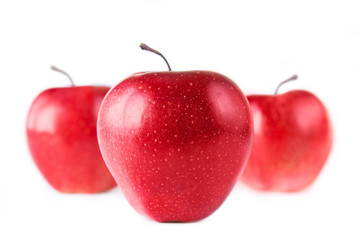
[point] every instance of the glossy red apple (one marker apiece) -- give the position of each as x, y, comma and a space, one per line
62, 138
175, 142
292, 141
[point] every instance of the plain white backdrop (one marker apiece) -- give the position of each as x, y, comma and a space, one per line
256, 43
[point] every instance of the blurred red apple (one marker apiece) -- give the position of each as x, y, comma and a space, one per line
292, 141
175, 142
62, 138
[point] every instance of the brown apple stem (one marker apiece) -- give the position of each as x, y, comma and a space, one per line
285, 81
147, 48
63, 72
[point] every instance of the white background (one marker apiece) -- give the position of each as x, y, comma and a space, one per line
256, 43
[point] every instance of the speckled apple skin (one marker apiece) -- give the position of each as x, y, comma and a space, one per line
292, 141
62, 139
175, 142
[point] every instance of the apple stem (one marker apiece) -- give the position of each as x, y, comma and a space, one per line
63, 72
285, 81
147, 48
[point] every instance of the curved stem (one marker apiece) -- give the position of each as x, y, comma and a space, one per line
63, 72
147, 48
285, 81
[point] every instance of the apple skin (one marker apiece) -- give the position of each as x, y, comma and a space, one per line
175, 142
62, 139
292, 141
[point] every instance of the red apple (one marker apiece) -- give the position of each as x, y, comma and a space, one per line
292, 141
175, 142
62, 138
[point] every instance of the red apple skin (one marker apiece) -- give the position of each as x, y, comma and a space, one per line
292, 141
175, 142
62, 138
